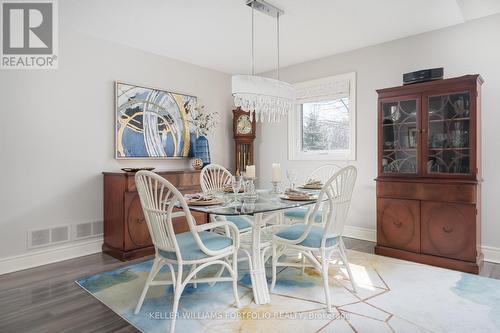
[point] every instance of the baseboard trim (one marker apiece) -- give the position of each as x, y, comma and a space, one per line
491, 254
367, 234
50, 255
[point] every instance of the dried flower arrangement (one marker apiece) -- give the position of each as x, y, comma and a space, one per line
202, 120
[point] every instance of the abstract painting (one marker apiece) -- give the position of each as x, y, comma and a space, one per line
152, 123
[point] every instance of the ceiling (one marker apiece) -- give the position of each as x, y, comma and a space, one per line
216, 34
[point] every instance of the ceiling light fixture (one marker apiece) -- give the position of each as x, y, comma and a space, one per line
266, 99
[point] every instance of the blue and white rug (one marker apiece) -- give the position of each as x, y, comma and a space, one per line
393, 296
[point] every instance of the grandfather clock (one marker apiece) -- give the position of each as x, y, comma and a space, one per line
244, 135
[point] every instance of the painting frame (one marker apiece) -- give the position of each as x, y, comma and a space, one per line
117, 107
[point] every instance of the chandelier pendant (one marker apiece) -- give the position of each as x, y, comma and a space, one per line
266, 99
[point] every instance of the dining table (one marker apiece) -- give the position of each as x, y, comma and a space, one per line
265, 213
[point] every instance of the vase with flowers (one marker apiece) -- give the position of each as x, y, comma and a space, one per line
204, 122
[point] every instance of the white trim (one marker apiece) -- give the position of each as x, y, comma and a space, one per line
367, 234
294, 133
491, 254
50, 255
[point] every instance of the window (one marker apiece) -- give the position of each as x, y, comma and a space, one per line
323, 125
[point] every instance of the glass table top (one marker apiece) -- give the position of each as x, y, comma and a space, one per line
266, 202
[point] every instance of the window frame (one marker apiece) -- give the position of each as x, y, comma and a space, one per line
295, 125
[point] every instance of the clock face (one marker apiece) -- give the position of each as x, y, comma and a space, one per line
243, 125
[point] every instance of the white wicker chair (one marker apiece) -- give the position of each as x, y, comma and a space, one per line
323, 174
318, 243
213, 178
197, 247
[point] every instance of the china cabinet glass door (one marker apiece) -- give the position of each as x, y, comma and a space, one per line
448, 134
400, 136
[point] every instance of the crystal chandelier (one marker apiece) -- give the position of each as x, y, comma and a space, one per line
266, 99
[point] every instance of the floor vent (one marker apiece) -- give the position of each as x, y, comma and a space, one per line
83, 230
97, 228
65, 233
49, 236
37, 238
59, 234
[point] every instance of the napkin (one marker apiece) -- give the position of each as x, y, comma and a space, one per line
228, 188
199, 197
297, 194
311, 181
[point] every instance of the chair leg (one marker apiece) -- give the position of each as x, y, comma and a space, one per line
324, 274
172, 274
151, 276
195, 285
274, 262
235, 279
343, 254
177, 297
218, 275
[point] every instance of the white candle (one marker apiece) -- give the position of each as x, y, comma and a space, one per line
276, 172
250, 171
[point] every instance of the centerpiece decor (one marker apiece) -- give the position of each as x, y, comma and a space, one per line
204, 122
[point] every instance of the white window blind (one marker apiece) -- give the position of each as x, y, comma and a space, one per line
322, 90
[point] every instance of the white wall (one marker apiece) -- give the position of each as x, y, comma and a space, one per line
469, 48
57, 131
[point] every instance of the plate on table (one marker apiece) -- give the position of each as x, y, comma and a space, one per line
312, 186
210, 202
137, 169
301, 198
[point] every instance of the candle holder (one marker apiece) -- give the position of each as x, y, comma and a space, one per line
276, 187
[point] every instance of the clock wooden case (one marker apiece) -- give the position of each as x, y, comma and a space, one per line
244, 136
429, 173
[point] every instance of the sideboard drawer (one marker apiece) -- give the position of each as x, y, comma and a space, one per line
398, 224
181, 180
448, 230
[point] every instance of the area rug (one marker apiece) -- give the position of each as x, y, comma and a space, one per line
393, 296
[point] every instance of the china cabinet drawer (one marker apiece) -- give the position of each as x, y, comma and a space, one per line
449, 230
437, 191
398, 224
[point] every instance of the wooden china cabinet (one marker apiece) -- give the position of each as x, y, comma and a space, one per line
429, 173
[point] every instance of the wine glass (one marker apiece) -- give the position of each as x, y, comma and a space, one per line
292, 176
236, 186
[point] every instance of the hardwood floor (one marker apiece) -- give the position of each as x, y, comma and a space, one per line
46, 298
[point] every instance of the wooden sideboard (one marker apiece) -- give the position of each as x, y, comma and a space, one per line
126, 234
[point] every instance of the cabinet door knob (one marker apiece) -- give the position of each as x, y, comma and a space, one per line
140, 220
397, 224
447, 229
